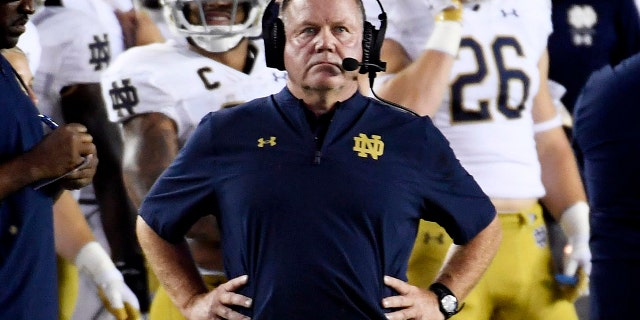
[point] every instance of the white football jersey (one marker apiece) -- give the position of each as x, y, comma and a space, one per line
104, 13
487, 115
184, 85
76, 50
29, 43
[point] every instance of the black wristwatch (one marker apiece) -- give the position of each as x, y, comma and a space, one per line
446, 299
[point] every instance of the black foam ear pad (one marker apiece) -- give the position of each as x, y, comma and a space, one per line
368, 42
273, 36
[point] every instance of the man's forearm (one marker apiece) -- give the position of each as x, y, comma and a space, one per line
71, 230
172, 264
560, 174
13, 176
466, 264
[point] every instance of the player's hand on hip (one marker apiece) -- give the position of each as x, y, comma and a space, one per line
412, 303
217, 303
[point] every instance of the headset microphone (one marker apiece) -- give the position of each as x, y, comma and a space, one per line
351, 64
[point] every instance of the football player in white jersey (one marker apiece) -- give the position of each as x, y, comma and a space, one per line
502, 125
159, 93
76, 50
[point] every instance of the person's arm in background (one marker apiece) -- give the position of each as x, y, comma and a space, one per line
127, 17
83, 103
75, 242
565, 196
420, 84
151, 144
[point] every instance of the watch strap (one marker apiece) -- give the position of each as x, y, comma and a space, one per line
441, 291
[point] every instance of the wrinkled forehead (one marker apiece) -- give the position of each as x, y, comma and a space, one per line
334, 9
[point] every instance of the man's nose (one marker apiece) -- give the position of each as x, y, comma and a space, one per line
28, 6
326, 40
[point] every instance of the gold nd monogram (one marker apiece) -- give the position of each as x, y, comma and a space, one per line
271, 142
365, 146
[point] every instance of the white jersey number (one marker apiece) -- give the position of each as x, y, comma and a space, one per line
505, 74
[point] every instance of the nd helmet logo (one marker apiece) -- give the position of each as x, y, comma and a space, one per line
365, 146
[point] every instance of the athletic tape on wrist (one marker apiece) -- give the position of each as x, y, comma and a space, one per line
548, 125
445, 37
575, 220
93, 260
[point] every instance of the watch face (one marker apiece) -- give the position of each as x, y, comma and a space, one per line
449, 303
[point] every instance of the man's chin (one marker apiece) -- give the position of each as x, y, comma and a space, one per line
9, 43
326, 83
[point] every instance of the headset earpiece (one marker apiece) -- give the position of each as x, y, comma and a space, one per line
274, 40
368, 40
273, 36
275, 54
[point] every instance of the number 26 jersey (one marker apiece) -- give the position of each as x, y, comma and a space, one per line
487, 113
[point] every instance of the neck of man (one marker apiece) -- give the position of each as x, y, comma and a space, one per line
323, 100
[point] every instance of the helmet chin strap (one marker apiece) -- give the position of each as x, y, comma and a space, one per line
215, 45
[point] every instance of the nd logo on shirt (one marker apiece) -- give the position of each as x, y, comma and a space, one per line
365, 146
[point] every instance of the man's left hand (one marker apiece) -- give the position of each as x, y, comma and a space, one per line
412, 303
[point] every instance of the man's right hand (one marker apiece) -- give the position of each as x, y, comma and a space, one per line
62, 151
216, 304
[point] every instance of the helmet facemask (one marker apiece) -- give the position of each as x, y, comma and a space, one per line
214, 25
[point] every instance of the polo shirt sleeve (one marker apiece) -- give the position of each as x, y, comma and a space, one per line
454, 200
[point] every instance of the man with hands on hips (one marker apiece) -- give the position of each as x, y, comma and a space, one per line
318, 191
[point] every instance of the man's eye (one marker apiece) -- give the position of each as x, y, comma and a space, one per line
309, 31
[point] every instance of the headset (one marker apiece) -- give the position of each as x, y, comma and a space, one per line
274, 40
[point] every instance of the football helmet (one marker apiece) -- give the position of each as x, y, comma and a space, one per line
211, 24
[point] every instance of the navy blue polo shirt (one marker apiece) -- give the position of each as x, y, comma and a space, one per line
28, 277
316, 227
607, 144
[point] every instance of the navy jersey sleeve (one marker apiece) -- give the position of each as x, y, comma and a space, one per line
455, 201
184, 193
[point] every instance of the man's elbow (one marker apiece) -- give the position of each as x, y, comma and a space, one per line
146, 235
